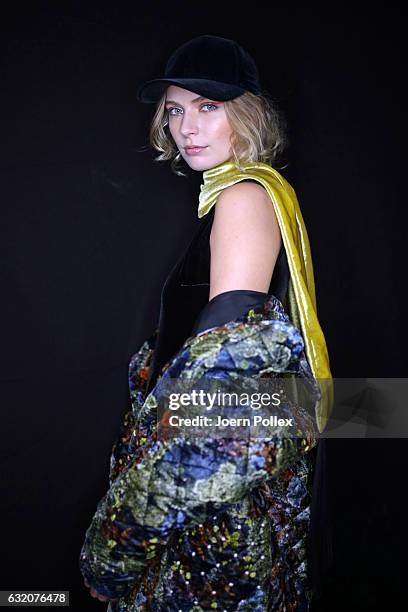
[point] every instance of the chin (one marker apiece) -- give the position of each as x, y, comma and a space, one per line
202, 164
197, 164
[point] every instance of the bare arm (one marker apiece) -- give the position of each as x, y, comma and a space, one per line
245, 240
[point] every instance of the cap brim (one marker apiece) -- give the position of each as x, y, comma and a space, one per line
151, 91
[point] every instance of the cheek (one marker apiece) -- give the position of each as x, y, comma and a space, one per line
223, 136
171, 129
222, 128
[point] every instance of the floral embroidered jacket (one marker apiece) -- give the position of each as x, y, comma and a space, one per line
214, 523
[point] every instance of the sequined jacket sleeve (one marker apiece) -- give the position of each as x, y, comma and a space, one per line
131, 433
163, 485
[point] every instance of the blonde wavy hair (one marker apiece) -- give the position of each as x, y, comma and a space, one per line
258, 131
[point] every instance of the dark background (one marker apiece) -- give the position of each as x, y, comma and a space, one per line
91, 226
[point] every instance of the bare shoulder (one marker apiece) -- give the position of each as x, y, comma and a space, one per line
244, 208
241, 196
245, 239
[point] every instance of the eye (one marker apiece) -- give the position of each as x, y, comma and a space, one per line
173, 108
214, 106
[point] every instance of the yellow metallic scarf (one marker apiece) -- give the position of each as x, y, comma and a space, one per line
301, 289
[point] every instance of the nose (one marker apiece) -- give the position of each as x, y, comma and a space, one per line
189, 124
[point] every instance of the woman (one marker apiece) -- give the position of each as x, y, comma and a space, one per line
217, 523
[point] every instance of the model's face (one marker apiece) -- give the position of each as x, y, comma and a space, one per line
201, 122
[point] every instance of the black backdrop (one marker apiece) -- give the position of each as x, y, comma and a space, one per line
91, 225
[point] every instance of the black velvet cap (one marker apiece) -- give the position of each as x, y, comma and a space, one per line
214, 67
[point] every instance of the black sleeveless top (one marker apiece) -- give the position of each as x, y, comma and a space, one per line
186, 291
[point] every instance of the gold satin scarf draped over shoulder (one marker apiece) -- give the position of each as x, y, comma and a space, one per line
301, 289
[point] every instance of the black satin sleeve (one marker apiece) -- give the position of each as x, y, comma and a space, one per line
227, 306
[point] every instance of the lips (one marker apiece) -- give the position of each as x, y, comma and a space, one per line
193, 150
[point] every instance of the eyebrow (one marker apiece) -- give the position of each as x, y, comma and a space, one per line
195, 100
